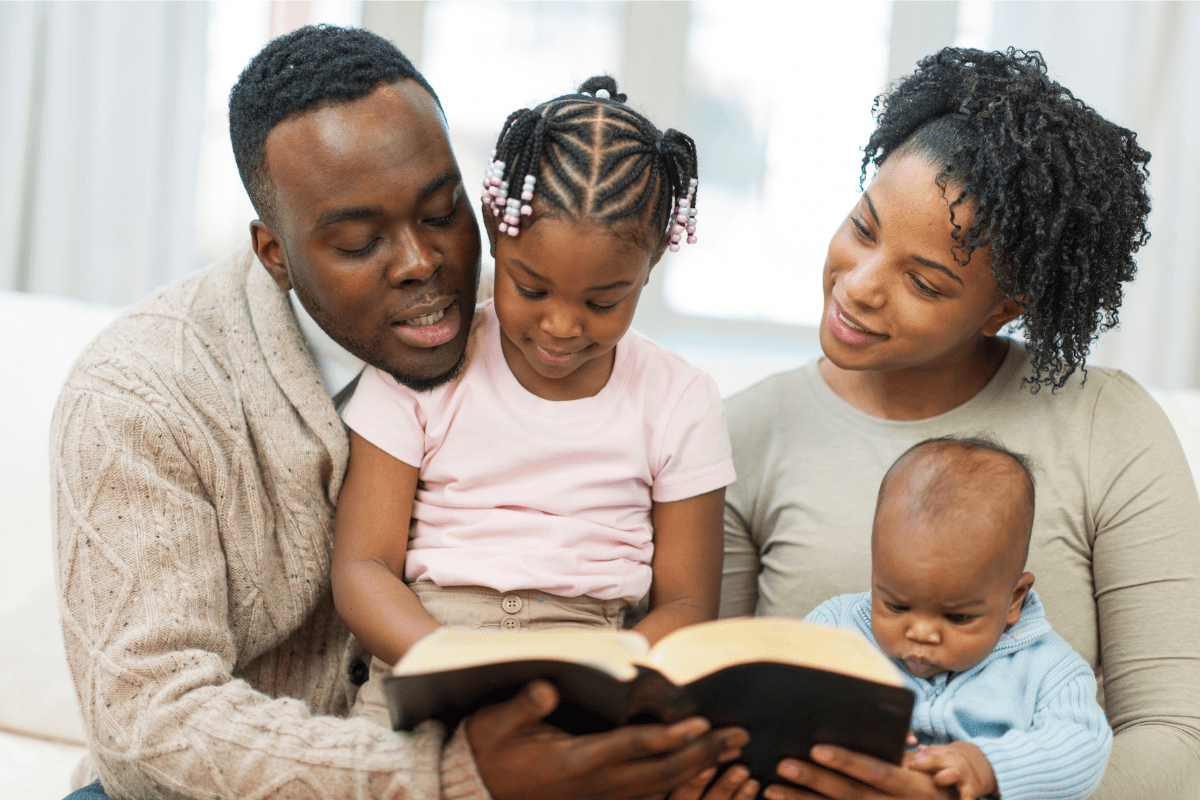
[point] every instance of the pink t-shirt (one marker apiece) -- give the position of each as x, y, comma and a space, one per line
518, 492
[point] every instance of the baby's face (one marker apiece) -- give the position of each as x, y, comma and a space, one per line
938, 602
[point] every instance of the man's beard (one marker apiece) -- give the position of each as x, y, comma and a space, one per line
370, 353
425, 384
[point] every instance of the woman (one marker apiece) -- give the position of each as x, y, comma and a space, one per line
998, 198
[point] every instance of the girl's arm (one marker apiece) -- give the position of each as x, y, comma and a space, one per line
686, 586
370, 542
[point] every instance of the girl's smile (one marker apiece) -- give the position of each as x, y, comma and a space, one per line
566, 292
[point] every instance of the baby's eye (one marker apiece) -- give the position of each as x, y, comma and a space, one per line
895, 608
959, 619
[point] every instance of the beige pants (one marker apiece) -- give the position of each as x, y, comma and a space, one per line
470, 607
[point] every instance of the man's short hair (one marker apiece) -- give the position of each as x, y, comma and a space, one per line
314, 66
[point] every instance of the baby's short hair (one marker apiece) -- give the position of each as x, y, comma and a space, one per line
969, 463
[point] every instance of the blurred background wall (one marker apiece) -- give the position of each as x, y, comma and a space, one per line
116, 174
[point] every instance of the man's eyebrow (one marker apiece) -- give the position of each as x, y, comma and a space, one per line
439, 182
337, 215
526, 268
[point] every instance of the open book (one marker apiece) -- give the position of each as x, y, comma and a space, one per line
791, 684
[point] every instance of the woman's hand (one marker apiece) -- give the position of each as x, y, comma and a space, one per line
842, 774
734, 784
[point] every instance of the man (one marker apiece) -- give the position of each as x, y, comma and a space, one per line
199, 457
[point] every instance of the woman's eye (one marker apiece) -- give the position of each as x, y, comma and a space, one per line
924, 288
860, 228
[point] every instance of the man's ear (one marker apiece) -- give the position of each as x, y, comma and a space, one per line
1024, 584
269, 249
1004, 312
489, 224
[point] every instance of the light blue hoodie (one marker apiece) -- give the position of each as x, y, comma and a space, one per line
1030, 706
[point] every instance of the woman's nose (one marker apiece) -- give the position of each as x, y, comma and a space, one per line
864, 283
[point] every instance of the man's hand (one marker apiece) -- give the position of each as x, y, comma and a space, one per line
521, 758
959, 764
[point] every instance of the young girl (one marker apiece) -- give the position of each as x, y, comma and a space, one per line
570, 454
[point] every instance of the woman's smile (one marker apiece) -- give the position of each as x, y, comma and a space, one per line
848, 329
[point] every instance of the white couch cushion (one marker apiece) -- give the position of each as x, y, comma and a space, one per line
40, 338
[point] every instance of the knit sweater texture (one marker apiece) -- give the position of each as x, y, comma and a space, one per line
196, 460
1030, 706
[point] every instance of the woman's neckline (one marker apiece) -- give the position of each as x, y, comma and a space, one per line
859, 391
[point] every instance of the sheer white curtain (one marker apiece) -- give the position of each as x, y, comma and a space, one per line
99, 142
1137, 64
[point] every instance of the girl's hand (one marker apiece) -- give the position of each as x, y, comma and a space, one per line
842, 774
958, 764
735, 784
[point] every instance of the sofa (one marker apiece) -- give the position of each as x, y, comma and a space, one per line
41, 737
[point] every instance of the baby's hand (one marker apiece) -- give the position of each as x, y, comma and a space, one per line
958, 764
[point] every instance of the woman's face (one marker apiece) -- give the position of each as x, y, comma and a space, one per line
895, 297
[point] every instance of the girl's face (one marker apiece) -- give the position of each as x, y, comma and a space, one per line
895, 297
565, 295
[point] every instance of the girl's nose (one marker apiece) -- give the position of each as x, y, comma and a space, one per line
561, 322
864, 283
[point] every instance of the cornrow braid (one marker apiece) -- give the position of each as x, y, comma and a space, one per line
1059, 192
589, 156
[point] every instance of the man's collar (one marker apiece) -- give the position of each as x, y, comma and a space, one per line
335, 364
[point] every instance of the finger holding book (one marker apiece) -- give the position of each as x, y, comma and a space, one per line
519, 756
841, 774
735, 783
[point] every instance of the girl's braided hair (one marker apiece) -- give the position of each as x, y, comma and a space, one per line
1059, 192
597, 159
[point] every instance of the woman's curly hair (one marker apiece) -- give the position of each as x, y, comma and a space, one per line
1059, 192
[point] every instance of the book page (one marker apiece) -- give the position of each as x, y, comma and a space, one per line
696, 651
609, 651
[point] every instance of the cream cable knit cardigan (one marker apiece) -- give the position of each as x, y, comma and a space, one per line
196, 461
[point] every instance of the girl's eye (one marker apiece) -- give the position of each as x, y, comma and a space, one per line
527, 292
602, 309
360, 252
959, 619
924, 288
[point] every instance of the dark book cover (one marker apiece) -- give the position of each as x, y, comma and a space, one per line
787, 708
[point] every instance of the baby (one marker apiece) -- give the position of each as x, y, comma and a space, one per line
1004, 705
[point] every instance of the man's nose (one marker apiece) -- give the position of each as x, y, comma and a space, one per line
416, 260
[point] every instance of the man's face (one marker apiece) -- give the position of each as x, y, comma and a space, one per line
374, 230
